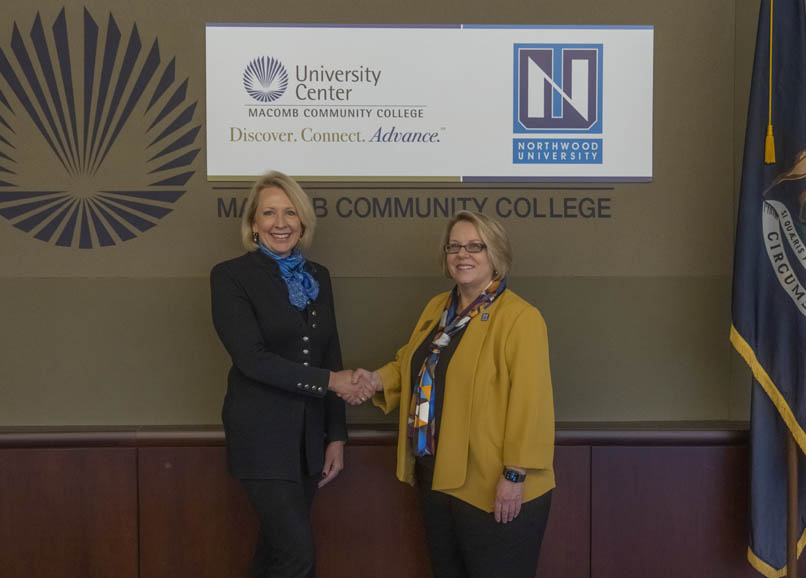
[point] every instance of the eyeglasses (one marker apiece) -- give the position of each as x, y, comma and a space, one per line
474, 247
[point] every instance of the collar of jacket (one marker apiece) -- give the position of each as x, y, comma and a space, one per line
263, 260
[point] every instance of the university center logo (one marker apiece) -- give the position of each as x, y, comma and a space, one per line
784, 224
265, 79
558, 88
97, 134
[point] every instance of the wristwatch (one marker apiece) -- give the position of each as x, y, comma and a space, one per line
514, 476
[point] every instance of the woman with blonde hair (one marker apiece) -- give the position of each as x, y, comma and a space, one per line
476, 429
283, 416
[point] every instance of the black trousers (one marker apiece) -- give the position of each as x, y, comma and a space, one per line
285, 544
466, 542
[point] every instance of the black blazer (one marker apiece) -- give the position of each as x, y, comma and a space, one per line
278, 413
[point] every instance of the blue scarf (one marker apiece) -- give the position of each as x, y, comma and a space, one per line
302, 287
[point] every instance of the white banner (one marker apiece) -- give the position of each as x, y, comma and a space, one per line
457, 103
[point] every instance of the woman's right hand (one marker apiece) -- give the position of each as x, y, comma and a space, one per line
354, 387
371, 378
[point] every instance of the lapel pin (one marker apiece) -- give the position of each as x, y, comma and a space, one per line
485, 316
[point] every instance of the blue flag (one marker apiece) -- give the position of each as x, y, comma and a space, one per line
769, 277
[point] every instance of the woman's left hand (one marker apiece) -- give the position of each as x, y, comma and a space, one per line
334, 462
508, 500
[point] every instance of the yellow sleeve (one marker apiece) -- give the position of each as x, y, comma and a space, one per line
529, 433
389, 398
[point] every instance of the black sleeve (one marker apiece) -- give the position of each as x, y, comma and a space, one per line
335, 413
236, 325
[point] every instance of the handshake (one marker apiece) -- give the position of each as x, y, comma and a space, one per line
355, 386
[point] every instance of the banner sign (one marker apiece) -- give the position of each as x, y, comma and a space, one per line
453, 103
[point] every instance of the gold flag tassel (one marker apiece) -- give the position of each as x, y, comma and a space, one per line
769, 143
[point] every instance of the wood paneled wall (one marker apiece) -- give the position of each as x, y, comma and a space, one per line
160, 503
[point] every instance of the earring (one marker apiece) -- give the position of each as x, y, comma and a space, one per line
255, 238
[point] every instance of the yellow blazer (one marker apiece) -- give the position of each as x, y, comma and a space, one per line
498, 406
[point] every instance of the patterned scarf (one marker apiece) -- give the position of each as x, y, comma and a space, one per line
302, 287
421, 424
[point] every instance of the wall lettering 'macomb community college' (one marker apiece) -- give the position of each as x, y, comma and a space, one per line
548, 206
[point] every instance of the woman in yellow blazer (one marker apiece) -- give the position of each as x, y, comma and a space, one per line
476, 432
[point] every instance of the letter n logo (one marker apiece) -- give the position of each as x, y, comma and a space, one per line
558, 88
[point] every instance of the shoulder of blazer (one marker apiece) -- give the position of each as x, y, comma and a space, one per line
430, 313
321, 274
231, 266
509, 304
244, 266
434, 307
512, 307
437, 302
512, 301
248, 270
317, 270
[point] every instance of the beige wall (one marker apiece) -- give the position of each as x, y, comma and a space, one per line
638, 305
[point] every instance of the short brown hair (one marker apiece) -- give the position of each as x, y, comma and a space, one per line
298, 197
492, 234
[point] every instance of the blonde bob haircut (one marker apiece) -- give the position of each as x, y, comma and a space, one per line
296, 195
492, 234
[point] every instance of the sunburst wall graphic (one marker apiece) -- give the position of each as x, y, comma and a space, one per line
96, 133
